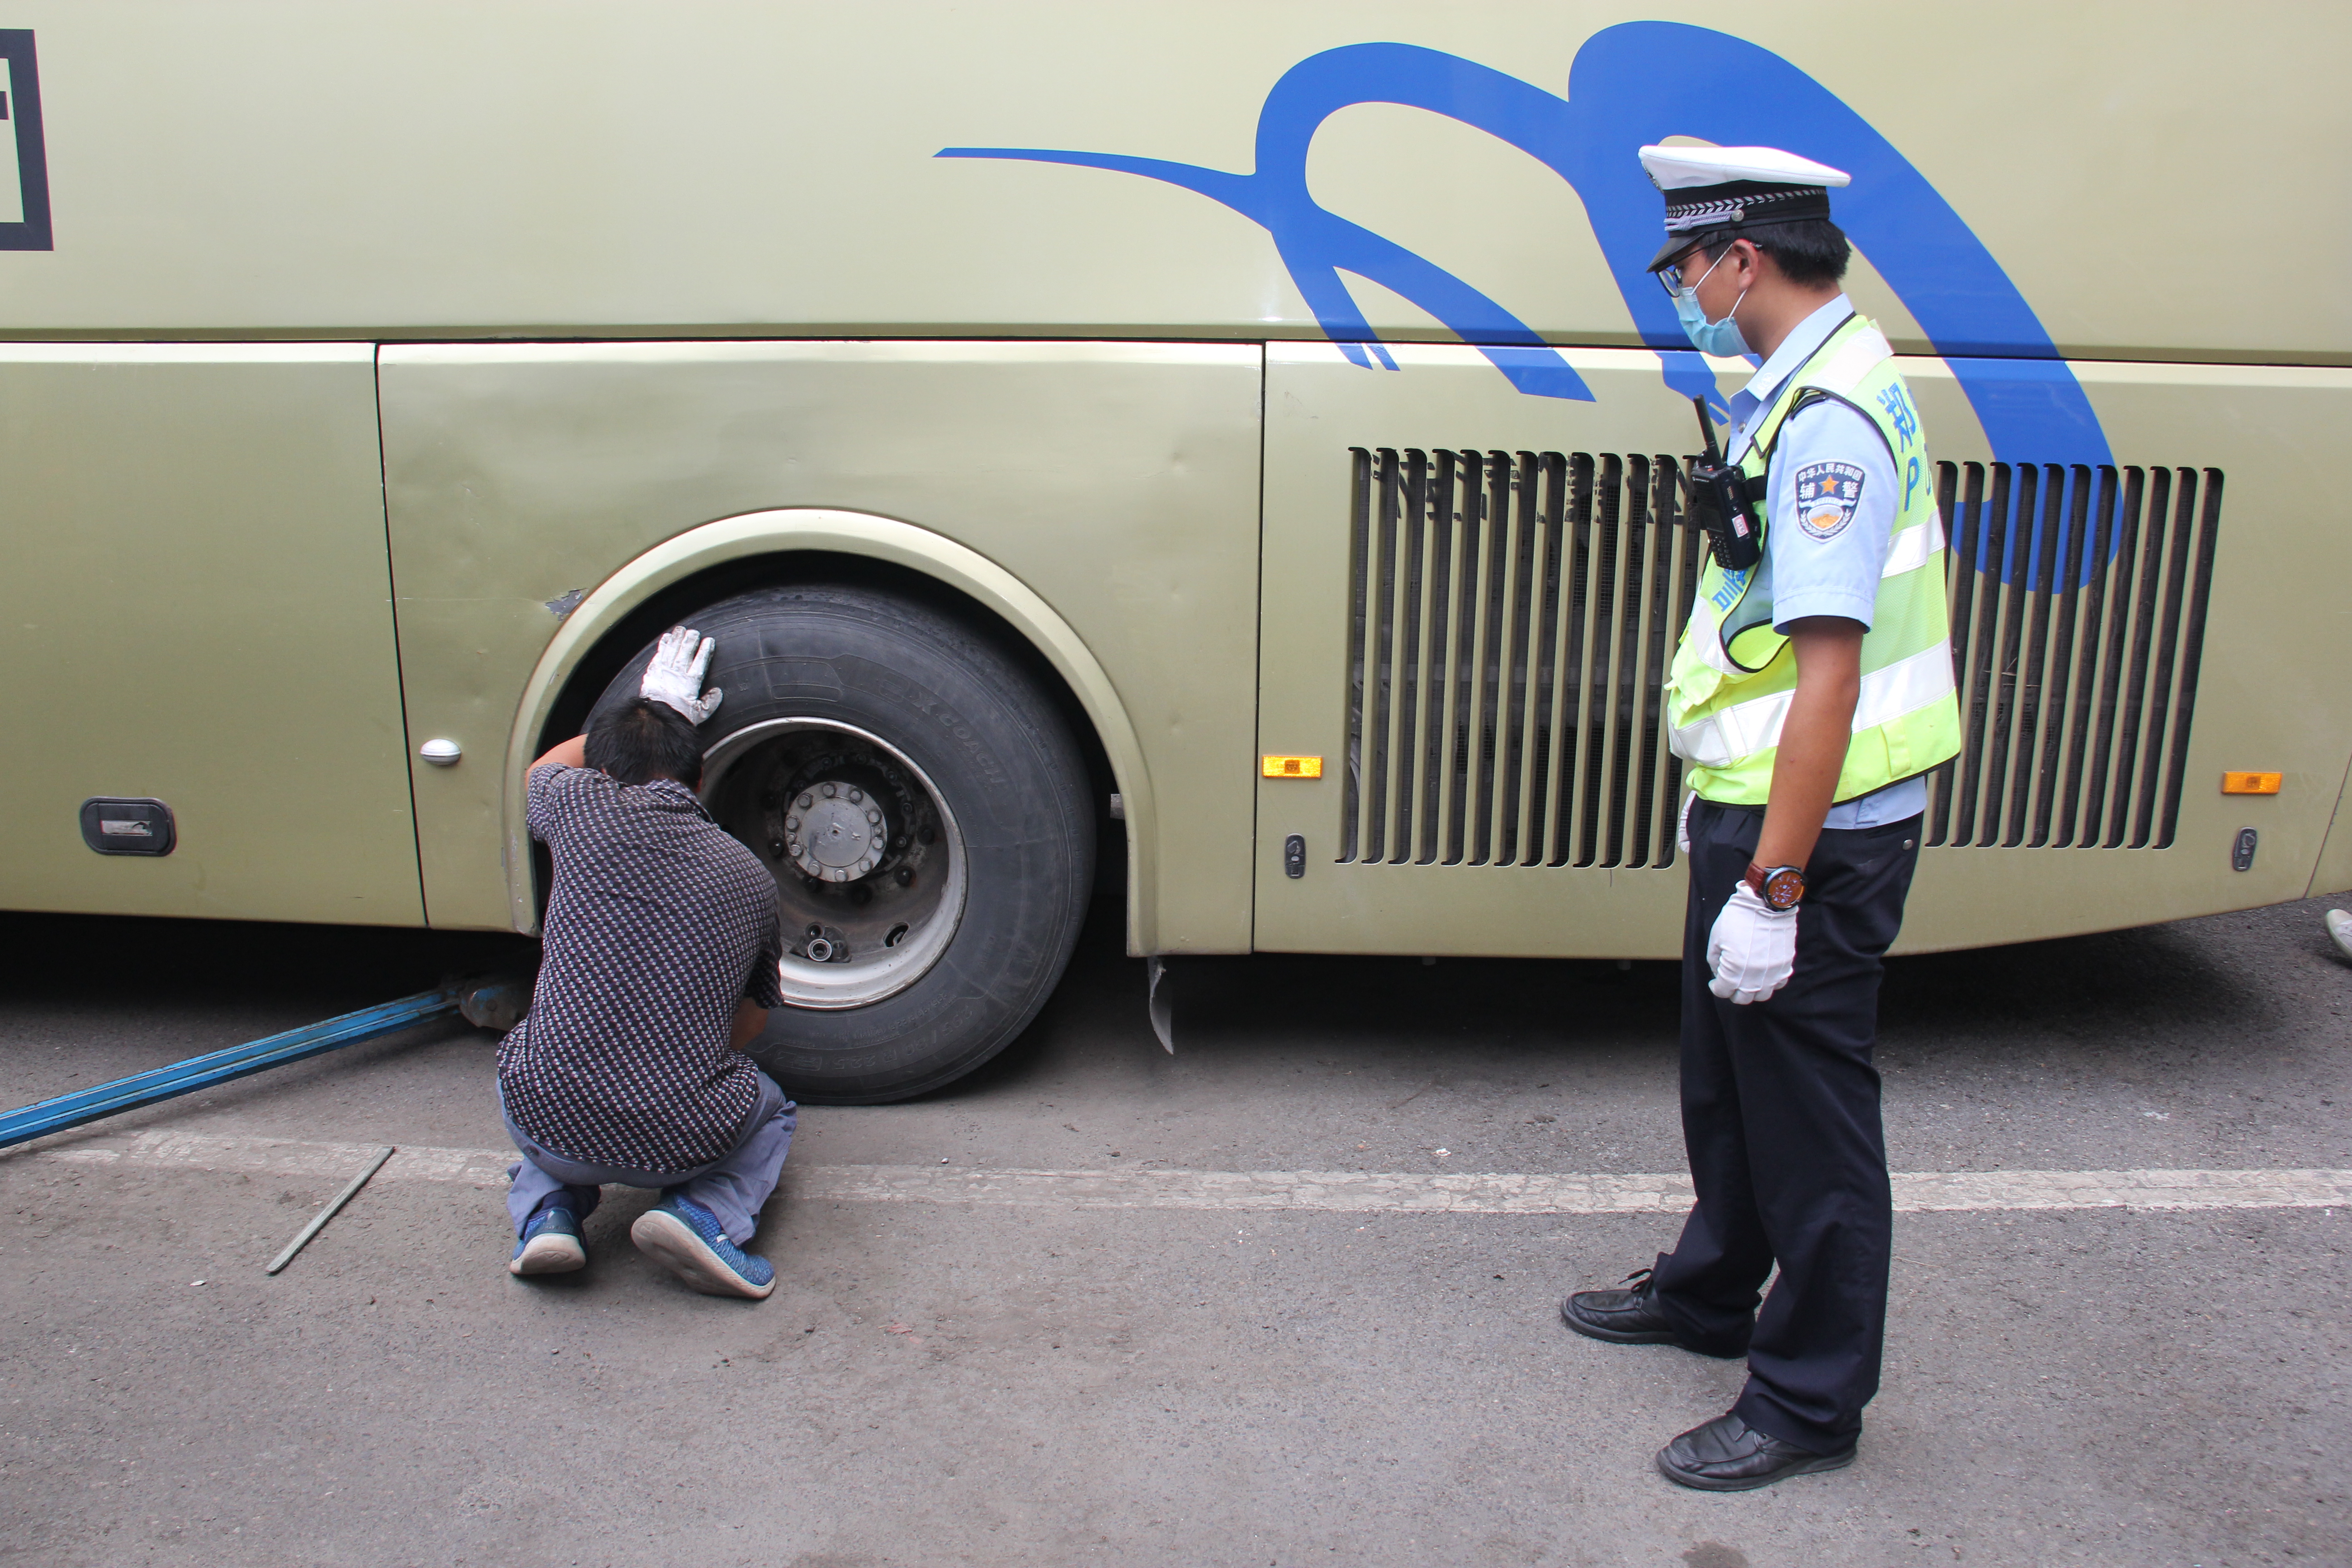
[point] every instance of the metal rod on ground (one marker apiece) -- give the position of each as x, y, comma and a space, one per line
54, 1115
319, 1224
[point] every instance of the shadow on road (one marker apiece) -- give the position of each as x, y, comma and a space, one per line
110, 962
2092, 995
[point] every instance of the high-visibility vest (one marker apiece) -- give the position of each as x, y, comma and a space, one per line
1734, 676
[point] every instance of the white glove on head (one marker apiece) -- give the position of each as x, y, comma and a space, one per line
676, 674
1752, 949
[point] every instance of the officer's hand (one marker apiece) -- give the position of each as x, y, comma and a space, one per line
1752, 948
1682, 824
676, 674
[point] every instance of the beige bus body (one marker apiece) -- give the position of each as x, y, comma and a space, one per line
387, 360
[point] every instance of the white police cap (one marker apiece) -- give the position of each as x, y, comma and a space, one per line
1713, 192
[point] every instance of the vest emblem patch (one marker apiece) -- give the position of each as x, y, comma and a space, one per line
1827, 494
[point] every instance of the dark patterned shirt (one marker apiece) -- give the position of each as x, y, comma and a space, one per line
658, 924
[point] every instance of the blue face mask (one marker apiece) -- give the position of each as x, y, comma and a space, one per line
1721, 338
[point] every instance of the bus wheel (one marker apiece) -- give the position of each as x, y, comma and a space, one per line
926, 816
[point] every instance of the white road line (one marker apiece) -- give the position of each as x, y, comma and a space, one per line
1347, 1191
1352, 1192
279, 1157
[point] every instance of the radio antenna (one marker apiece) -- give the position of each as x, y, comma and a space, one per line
1707, 431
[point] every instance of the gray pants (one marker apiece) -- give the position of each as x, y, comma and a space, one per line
732, 1187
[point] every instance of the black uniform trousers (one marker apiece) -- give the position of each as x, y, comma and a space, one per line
1780, 1118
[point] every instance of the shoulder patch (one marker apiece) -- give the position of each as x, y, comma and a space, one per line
1827, 494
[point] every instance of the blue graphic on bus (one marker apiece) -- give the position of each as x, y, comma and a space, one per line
1631, 84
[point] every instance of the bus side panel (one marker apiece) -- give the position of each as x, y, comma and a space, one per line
1118, 481
197, 606
1472, 634
626, 170
1437, 705
2246, 450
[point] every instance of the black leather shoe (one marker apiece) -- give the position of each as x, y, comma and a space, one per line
1728, 1454
1623, 1316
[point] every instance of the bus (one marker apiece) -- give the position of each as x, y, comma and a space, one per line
1237, 440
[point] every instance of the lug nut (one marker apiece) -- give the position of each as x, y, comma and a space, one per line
807, 801
856, 795
829, 791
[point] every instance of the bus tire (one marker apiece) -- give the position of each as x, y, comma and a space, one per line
919, 950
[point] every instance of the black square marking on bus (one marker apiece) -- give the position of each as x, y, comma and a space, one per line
23, 116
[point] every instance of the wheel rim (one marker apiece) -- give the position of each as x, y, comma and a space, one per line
869, 864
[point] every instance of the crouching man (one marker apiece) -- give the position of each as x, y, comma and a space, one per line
658, 965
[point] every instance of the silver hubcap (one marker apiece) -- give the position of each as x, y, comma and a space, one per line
833, 833
868, 862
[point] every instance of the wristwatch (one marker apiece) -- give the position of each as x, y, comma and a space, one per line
1780, 887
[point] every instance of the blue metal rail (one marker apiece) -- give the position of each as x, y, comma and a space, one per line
203, 1072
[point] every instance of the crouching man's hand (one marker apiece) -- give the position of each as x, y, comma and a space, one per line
676, 674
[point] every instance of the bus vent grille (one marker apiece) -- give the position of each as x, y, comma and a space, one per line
2076, 640
1513, 617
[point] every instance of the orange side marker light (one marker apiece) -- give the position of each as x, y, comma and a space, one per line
1293, 767
2252, 784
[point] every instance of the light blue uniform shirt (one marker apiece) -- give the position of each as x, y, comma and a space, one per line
1832, 571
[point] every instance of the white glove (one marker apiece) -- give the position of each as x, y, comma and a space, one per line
676, 674
1681, 825
1752, 948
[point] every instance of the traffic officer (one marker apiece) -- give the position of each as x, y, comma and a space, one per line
1810, 695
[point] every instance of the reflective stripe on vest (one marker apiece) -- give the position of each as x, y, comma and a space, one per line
1725, 735
1907, 552
1915, 547
1724, 716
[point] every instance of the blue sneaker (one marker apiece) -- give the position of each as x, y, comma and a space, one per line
685, 1238
550, 1245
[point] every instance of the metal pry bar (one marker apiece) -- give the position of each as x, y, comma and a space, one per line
66, 1111
319, 1224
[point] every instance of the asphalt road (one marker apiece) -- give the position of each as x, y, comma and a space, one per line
948, 1382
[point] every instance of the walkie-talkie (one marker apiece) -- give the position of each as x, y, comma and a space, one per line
1719, 497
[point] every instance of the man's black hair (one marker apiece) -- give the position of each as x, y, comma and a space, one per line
1810, 250
642, 740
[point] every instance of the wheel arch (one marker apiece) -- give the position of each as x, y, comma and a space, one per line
763, 547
